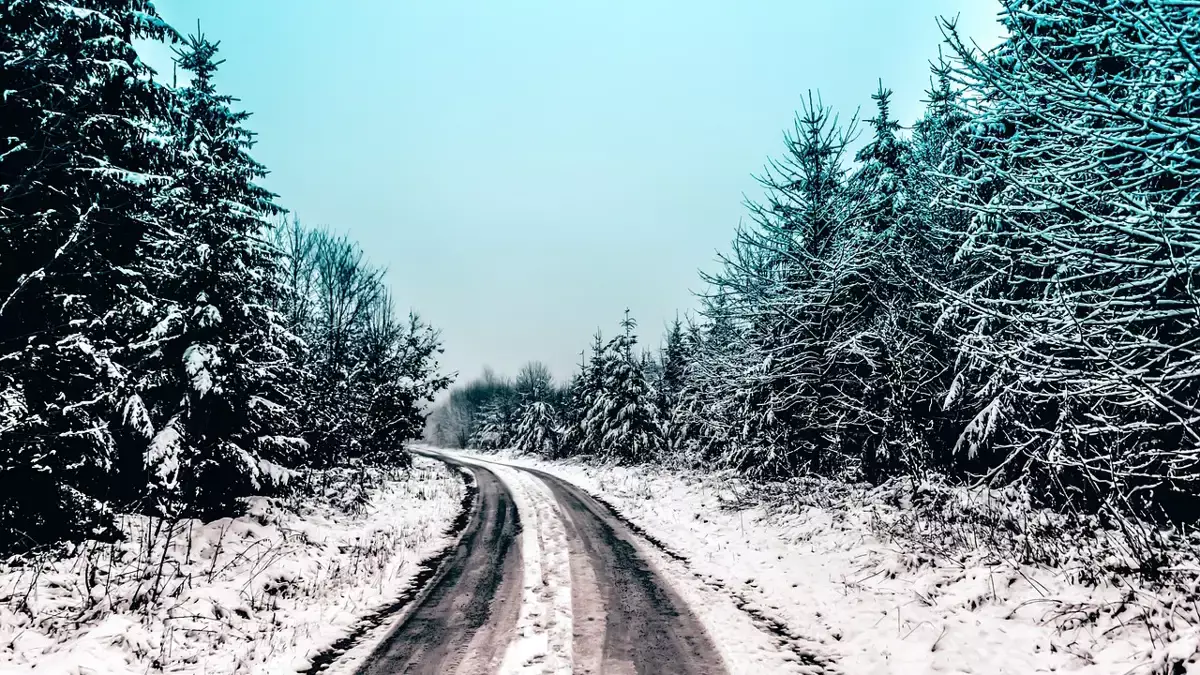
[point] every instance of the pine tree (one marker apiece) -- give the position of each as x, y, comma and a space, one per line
537, 432
882, 179
1078, 301
625, 412
537, 429
938, 393
708, 422
498, 420
576, 403
784, 289
880, 359
594, 388
936, 145
84, 156
217, 368
674, 360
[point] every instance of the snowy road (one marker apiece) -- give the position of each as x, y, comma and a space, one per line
462, 620
545, 580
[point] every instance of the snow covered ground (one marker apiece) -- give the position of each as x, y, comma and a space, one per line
262, 593
845, 600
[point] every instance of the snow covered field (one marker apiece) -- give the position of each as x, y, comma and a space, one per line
263, 593
829, 587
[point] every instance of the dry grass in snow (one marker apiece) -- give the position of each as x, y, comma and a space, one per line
261, 593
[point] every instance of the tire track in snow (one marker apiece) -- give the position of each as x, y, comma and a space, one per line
541, 643
763, 644
616, 614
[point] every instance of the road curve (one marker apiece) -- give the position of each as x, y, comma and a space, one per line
626, 620
463, 621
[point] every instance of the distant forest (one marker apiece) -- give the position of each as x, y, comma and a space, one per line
1004, 293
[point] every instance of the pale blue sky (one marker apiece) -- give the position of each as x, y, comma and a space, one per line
527, 169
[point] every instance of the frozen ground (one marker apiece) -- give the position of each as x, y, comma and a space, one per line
844, 600
262, 593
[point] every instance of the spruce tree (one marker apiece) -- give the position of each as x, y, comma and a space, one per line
498, 420
1078, 298
216, 368
537, 430
625, 413
595, 387
879, 346
938, 390
708, 424
85, 154
576, 404
674, 360
784, 289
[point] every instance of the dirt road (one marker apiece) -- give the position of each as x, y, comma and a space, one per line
588, 603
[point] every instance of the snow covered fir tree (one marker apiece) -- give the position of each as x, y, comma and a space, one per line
623, 418
161, 349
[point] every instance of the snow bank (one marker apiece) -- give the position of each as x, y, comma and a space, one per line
849, 601
262, 593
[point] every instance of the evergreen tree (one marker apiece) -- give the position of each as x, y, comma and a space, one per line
706, 424
146, 341
577, 402
672, 378
881, 359
594, 388
625, 412
498, 424
785, 289
940, 400
83, 161
882, 178
537, 430
216, 369
1077, 302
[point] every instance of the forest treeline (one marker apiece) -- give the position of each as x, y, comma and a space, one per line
1003, 292
169, 342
